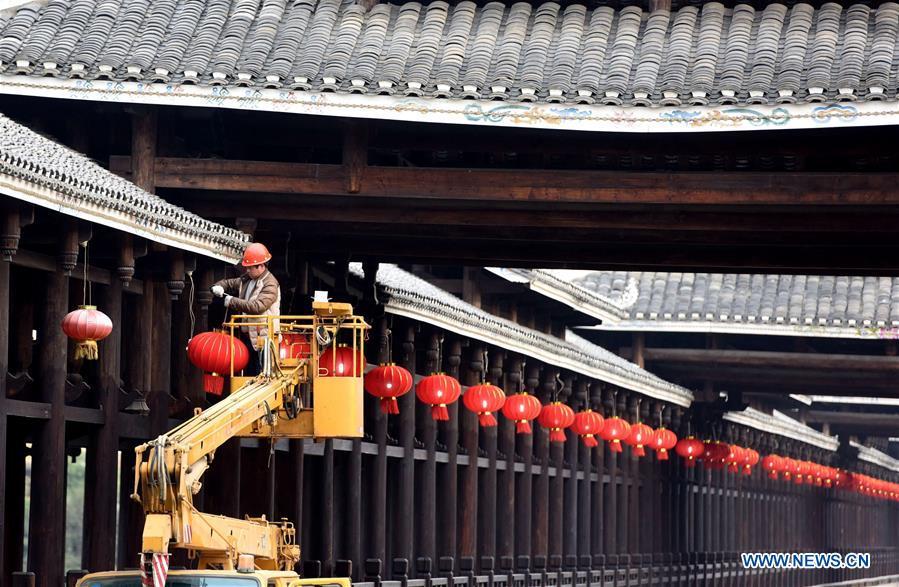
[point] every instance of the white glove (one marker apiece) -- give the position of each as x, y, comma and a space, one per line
218, 290
228, 301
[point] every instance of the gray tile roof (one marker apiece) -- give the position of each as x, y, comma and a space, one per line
412, 296
850, 302
43, 172
693, 55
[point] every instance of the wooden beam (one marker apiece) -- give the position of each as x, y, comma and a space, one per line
766, 359
861, 420
512, 185
42, 262
786, 381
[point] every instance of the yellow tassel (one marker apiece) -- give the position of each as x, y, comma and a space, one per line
86, 349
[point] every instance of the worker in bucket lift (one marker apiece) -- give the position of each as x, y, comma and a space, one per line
256, 292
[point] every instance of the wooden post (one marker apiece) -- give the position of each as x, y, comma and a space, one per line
48, 472
14, 508
541, 499
487, 514
610, 539
624, 488
355, 153
403, 522
101, 475
377, 536
426, 506
506, 530
4, 368
448, 476
468, 422
328, 519
143, 148
568, 513
524, 544
597, 488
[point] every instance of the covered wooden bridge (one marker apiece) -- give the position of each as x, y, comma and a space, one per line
437, 164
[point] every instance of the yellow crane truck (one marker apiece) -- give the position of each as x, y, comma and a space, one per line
296, 395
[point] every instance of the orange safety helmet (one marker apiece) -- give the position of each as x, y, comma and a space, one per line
256, 254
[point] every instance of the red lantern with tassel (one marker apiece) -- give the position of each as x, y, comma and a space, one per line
716, 453
338, 362
790, 468
388, 382
587, 425
640, 435
212, 352
690, 449
614, 430
438, 391
735, 458
484, 400
521, 408
86, 326
773, 464
557, 417
663, 440
750, 459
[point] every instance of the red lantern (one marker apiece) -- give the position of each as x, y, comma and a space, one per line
614, 431
639, 436
773, 464
803, 468
663, 440
716, 454
735, 458
212, 352
438, 391
294, 346
557, 417
690, 448
750, 459
338, 362
521, 408
484, 400
790, 468
587, 425
388, 382
86, 326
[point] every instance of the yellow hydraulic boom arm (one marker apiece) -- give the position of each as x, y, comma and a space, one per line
168, 469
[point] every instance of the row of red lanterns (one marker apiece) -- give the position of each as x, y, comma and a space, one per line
717, 455
812, 473
389, 382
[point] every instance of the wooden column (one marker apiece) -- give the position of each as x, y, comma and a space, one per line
487, 512
101, 474
624, 488
577, 529
597, 488
143, 148
448, 476
524, 487
4, 368
468, 481
328, 511
610, 499
426, 507
541, 494
48, 472
569, 510
377, 526
506, 530
14, 508
403, 522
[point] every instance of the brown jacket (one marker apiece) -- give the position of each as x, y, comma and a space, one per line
265, 299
